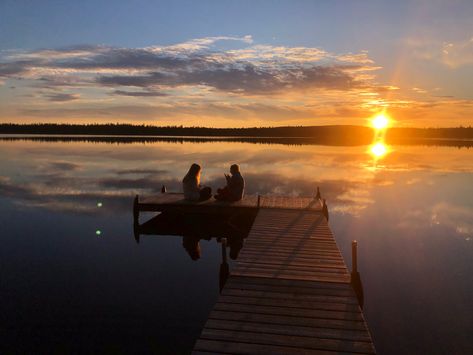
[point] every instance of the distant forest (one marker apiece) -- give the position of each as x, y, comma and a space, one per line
342, 134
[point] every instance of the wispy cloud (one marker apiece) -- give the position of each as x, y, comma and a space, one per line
61, 97
453, 54
138, 93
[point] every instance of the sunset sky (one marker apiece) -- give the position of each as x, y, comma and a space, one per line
237, 63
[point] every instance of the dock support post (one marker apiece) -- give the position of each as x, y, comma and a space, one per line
317, 196
355, 279
325, 209
136, 210
354, 256
163, 189
136, 219
224, 271
224, 250
259, 200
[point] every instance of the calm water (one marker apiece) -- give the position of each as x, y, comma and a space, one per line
72, 278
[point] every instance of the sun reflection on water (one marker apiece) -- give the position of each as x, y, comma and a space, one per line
378, 150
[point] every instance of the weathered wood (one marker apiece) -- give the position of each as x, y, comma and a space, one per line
241, 292
271, 328
289, 341
290, 321
290, 303
288, 311
176, 201
229, 347
326, 291
289, 291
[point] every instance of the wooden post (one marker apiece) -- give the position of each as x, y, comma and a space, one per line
136, 232
224, 250
259, 200
224, 271
325, 209
136, 218
136, 210
354, 256
355, 279
317, 196
163, 189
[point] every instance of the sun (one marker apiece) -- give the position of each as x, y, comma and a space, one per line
381, 121
378, 150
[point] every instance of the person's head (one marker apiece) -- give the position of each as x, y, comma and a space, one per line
234, 169
194, 172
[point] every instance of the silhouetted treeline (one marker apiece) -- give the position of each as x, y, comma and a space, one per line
292, 141
397, 134
342, 134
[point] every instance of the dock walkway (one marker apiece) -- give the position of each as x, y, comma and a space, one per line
289, 292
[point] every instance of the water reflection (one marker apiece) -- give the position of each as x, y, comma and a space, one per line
228, 230
411, 215
378, 150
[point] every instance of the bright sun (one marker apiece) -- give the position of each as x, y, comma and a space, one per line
380, 121
378, 150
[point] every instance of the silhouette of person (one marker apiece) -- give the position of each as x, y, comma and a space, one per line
235, 187
193, 191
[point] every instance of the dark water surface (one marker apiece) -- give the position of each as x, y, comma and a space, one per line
73, 279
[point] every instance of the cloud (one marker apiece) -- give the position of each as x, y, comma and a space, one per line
63, 166
138, 93
278, 112
220, 77
256, 69
453, 54
61, 97
141, 172
458, 54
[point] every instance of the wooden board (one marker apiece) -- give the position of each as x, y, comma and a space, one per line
176, 201
288, 293
289, 251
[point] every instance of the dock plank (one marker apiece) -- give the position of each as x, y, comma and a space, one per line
171, 201
304, 342
289, 291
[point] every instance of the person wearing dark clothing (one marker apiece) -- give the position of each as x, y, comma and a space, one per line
235, 187
193, 191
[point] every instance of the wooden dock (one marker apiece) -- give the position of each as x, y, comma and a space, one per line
289, 292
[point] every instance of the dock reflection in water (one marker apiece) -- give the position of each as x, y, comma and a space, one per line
228, 230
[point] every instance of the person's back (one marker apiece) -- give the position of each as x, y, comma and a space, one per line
190, 183
191, 189
236, 186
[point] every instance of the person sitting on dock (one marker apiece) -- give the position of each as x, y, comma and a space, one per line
193, 191
233, 191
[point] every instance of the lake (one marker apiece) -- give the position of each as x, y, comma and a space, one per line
73, 279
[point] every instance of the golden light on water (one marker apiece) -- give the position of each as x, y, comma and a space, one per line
378, 150
381, 121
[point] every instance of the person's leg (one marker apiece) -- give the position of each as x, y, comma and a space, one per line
221, 194
225, 195
205, 193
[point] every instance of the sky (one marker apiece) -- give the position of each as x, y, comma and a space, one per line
237, 63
